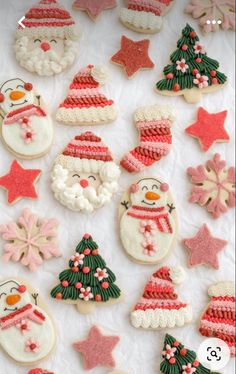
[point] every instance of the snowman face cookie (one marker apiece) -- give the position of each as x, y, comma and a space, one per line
26, 128
26, 331
148, 221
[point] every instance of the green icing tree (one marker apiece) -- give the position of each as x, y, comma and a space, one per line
191, 69
87, 282
180, 360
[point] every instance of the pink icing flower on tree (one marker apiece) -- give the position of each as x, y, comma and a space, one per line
32, 346
101, 274
149, 247
169, 352
86, 294
23, 326
201, 80
198, 48
181, 65
188, 369
78, 259
147, 228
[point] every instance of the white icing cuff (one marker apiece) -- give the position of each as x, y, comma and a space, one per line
141, 20
161, 318
86, 115
69, 32
154, 113
222, 289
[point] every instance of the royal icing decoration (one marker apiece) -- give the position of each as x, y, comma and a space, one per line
97, 349
39, 371
191, 72
213, 186
177, 359
204, 248
159, 306
26, 128
213, 15
94, 7
20, 183
27, 325
85, 104
218, 320
133, 56
30, 240
145, 16
45, 39
148, 221
209, 128
85, 176
87, 282
155, 139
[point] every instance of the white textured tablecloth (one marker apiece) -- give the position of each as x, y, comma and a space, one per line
138, 351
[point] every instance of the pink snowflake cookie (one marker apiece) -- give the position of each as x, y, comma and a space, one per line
213, 186
30, 240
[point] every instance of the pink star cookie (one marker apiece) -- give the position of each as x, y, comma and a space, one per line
204, 248
97, 349
94, 7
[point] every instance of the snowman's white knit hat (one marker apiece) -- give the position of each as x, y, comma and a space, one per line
49, 19
160, 307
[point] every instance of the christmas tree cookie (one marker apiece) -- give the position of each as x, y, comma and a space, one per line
180, 360
88, 282
191, 72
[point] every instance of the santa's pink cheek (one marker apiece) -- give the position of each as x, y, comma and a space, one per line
84, 183
45, 46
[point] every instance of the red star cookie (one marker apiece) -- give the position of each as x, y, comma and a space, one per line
209, 128
204, 248
133, 56
94, 7
97, 349
20, 183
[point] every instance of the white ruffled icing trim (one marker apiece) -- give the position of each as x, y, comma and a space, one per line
154, 112
99, 74
70, 32
177, 274
86, 115
159, 318
222, 289
141, 20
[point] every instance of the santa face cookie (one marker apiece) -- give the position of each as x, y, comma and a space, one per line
148, 221
84, 176
45, 45
26, 128
26, 331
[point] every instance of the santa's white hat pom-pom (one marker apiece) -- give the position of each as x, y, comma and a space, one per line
177, 274
99, 74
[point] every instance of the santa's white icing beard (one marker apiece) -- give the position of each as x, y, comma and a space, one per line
46, 57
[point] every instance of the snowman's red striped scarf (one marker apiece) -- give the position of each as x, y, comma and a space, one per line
24, 112
158, 215
24, 313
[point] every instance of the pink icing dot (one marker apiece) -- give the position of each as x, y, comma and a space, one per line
78, 285
134, 188
164, 187
86, 251
86, 236
65, 283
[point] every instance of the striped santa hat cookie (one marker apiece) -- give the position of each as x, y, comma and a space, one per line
160, 306
85, 104
145, 16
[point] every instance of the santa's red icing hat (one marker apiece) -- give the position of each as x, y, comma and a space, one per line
160, 306
48, 19
87, 153
85, 104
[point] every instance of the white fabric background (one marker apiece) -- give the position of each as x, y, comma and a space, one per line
138, 351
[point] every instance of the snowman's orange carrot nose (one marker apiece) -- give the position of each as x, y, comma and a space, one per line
152, 196
16, 95
13, 299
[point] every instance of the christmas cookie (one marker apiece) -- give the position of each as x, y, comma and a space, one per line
218, 320
155, 139
84, 176
85, 104
145, 16
160, 306
213, 14
179, 359
204, 248
39, 371
30, 240
97, 349
27, 332
26, 128
87, 282
133, 56
148, 221
209, 128
94, 7
213, 186
45, 44
20, 183
191, 72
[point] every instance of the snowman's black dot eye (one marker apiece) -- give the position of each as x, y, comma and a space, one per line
144, 188
2, 294
92, 177
76, 175
155, 187
37, 40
